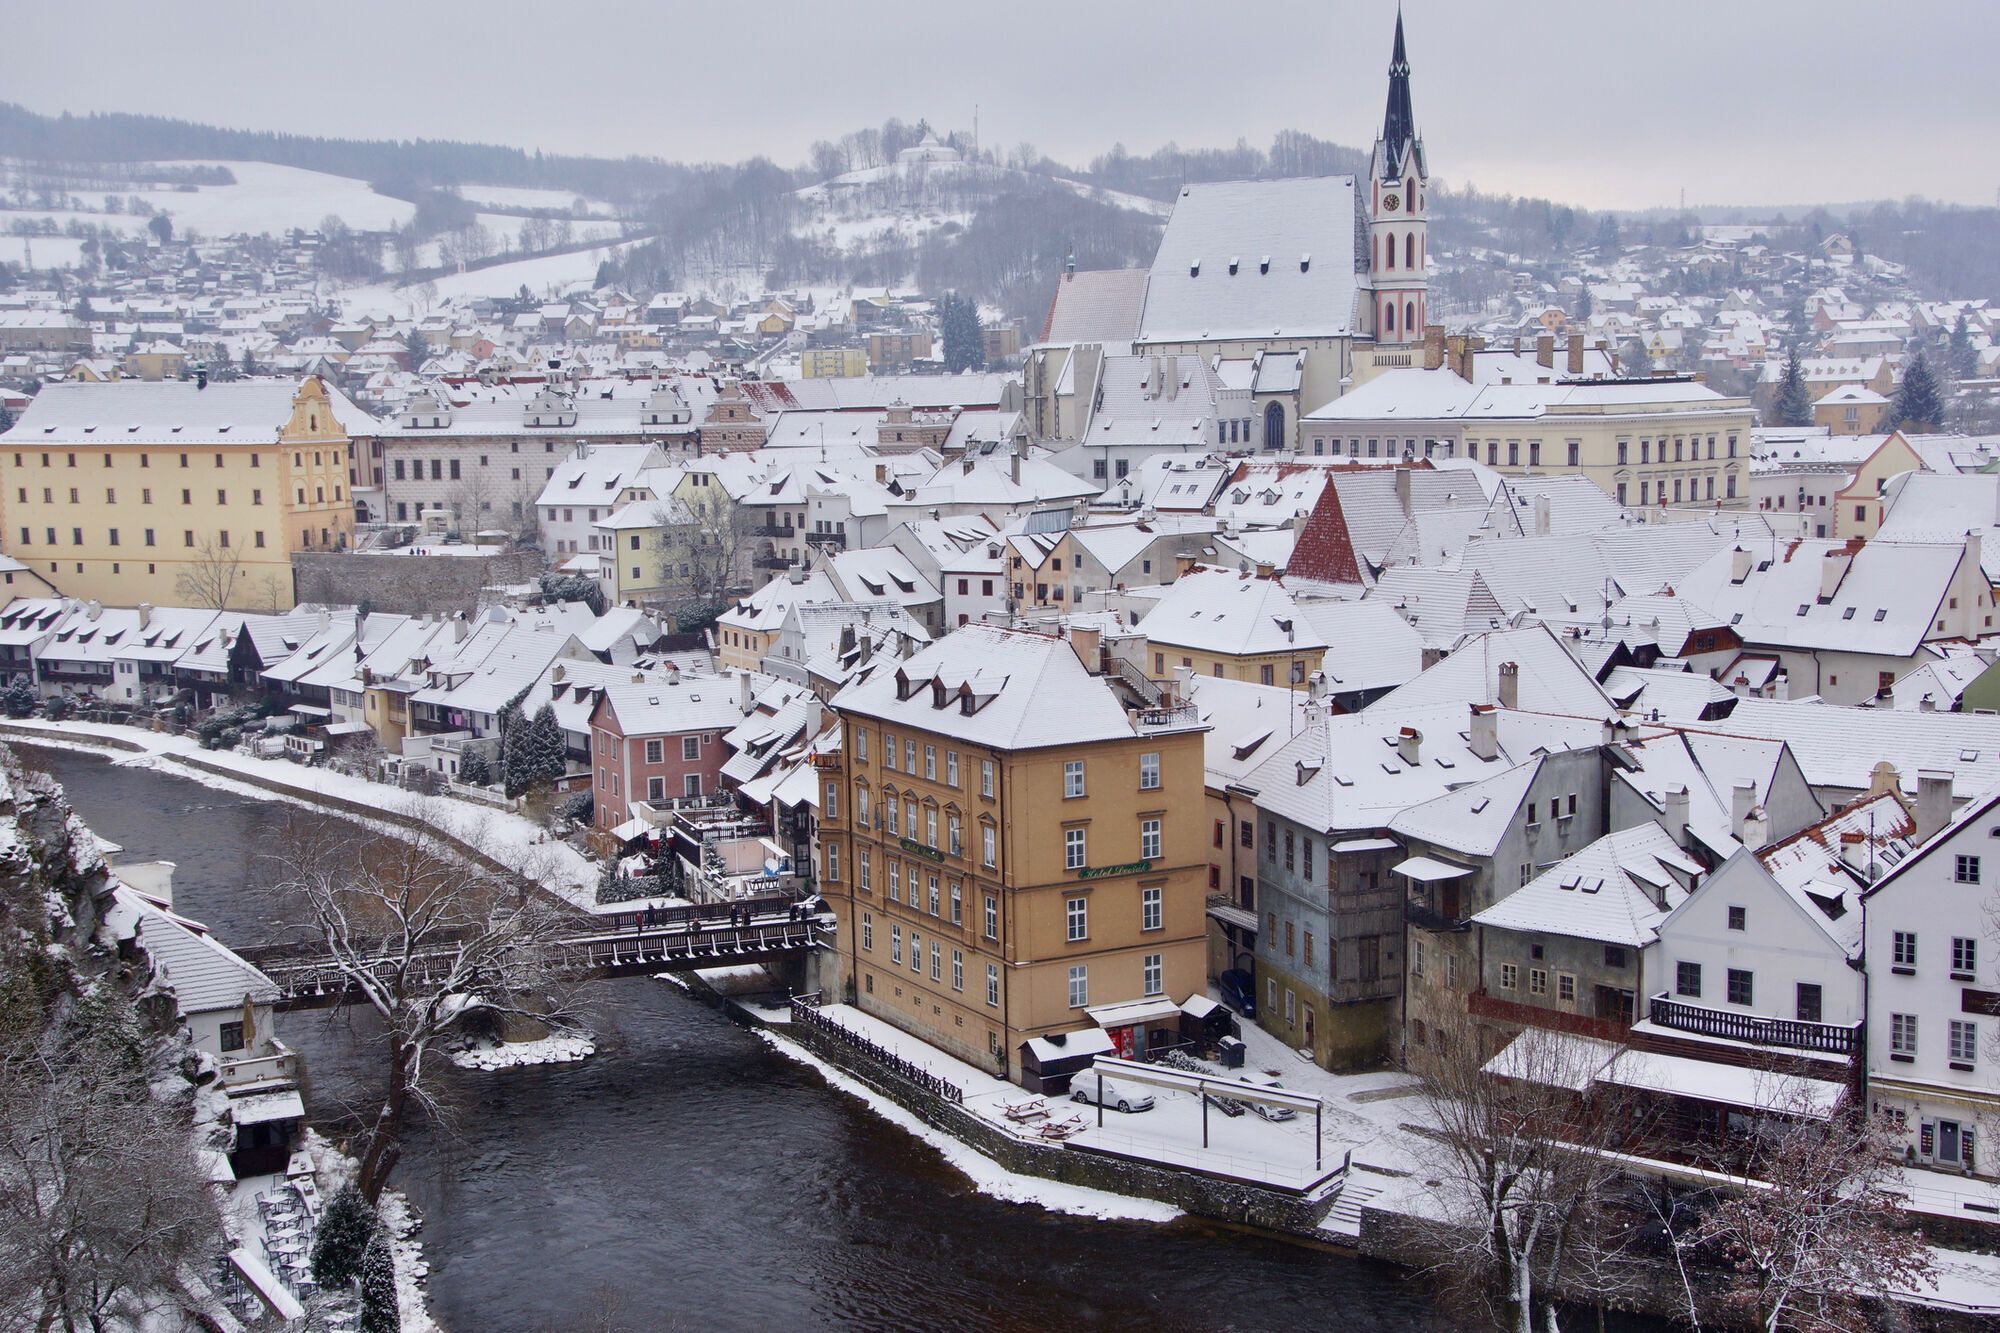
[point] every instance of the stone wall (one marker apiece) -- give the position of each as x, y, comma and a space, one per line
406, 584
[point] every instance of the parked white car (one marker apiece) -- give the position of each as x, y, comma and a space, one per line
1118, 1096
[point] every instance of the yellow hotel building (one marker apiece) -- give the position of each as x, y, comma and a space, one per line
114, 491
1013, 846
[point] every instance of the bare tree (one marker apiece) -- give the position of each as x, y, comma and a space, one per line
210, 580
102, 1205
424, 939
1526, 1185
703, 547
1817, 1232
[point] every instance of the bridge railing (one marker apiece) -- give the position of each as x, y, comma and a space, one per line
807, 1013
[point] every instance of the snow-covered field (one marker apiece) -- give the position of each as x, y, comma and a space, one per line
523, 196
46, 251
542, 275
266, 198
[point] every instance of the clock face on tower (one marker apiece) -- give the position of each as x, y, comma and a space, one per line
1391, 202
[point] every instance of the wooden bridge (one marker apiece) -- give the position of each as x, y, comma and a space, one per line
674, 939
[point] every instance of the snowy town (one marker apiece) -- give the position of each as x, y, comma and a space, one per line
1132, 728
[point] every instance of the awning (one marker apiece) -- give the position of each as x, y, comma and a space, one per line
1230, 915
630, 829
260, 1107
1729, 1085
311, 710
347, 728
1198, 1006
1428, 870
1081, 1044
1365, 845
1138, 1011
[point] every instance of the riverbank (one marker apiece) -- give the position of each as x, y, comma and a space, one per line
497, 839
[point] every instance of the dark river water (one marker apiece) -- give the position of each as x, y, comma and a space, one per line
687, 1176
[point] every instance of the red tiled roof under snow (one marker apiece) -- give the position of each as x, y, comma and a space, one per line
1325, 550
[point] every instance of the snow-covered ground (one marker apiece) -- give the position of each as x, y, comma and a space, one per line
524, 196
542, 275
266, 198
517, 843
46, 251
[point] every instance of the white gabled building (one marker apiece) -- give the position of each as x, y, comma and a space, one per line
1934, 988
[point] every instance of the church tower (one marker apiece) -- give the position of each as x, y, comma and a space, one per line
1398, 212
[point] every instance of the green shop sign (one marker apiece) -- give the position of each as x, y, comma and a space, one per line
1129, 868
912, 845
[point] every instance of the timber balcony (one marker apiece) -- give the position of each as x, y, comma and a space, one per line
772, 560
772, 530
1429, 918
1789, 1033
836, 538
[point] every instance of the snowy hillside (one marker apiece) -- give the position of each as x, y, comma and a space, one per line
265, 199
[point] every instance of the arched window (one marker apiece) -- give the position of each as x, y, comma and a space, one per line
1274, 426
1409, 317
1409, 249
1391, 248
1388, 318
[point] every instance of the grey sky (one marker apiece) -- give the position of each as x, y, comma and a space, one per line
1599, 104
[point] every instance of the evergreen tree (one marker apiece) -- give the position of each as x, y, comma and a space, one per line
1962, 356
514, 774
964, 342
1585, 307
547, 747
1636, 360
56, 708
1917, 403
473, 769
19, 698
344, 1233
378, 1287
249, 362
1793, 406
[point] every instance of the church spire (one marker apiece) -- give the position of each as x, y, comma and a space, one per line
1399, 122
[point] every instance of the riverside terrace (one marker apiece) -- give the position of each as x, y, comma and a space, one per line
682, 939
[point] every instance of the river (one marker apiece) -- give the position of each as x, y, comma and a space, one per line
689, 1176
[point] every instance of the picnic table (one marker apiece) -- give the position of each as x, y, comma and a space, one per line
1022, 1112
1061, 1129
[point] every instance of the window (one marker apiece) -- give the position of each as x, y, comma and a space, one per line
1736, 918
1904, 949
986, 777
1510, 976
909, 756
1538, 981
1810, 1002
232, 1036
954, 834
1964, 957
957, 970
1964, 1041
833, 863
993, 984
1078, 913
860, 746
992, 917
868, 931
690, 748
1079, 986
831, 810
1614, 956
932, 899
1417, 952
888, 749
1741, 988
1155, 973
895, 944
1965, 869
1072, 778
1149, 771
1149, 840
957, 903
863, 867
986, 841
916, 953
951, 768
1073, 853
861, 806
930, 763
937, 961
1903, 1035
892, 819
655, 751
1565, 988
1687, 979
1150, 912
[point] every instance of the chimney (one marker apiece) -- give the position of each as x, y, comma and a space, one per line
1675, 817
1403, 489
1484, 737
1086, 641
745, 700
1014, 467
557, 674
1542, 519
145, 613
1927, 704
1739, 565
1756, 829
1266, 570
1433, 346
1742, 803
458, 629
867, 652
1832, 569
815, 715
1545, 351
846, 639
1409, 745
798, 574
1933, 801
1509, 691
1576, 354
1858, 855
673, 673
881, 474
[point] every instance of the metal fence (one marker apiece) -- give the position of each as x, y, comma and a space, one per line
806, 1011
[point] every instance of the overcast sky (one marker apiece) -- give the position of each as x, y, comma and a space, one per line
1593, 102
